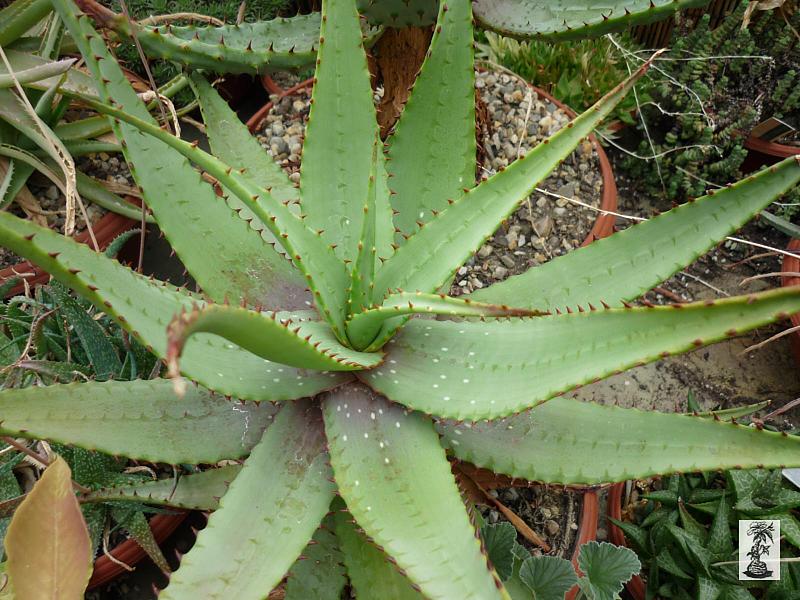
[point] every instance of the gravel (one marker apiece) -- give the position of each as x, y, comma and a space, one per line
544, 226
52, 203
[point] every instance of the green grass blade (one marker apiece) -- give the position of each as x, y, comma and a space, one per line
572, 19
388, 464
432, 255
197, 491
362, 328
371, 574
140, 419
266, 517
451, 368
303, 344
431, 155
319, 573
337, 152
145, 309
630, 262
223, 253
573, 442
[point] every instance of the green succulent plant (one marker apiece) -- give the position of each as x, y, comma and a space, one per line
285, 43
325, 356
686, 534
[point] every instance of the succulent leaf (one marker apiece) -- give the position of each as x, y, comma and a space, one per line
75, 81
431, 154
572, 19
341, 129
319, 574
19, 16
37, 73
198, 491
326, 275
405, 13
447, 241
140, 419
146, 308
232, 263
630, 262
572, 442
302, 344
260, 513
362, 327
450, 368
371, 573
387, 462
233, 143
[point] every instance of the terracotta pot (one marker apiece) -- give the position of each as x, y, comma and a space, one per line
636, 586
792, 265
105, 230
762, 153
130, 552
603, 226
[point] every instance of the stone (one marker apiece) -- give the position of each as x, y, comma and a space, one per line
485, 251
500, 273
552, 527
507, 261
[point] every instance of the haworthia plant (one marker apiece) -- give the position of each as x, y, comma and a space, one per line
333, 311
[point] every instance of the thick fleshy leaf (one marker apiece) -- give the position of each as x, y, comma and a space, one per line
572, 19
233, 143
225, 255
276, 502
200, 491
132, 520
719, 541
48, 547
362, 327
451, 368
337, 152
19, 16
145, 308
431, 155
548, 577
96, 343
139, 419
371, 574
388, 463
37, 73
303, 344
630, 262
606, 568
326, 275
281, 43
568, 441
319, 574
433, 254
75, 80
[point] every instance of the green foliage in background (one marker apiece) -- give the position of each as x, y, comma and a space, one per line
578, 73
704, 107
224, 10
52, 337
683, 531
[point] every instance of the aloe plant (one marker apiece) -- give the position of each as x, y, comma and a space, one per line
286, 43
322, 352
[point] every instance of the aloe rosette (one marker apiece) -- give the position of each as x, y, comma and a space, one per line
321, 352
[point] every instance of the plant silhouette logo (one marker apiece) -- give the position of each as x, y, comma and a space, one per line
759, 549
